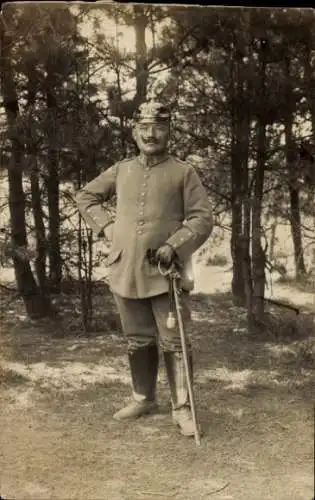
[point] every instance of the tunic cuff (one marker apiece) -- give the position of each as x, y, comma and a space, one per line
182, 242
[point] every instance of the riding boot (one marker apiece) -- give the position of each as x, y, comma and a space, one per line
143, 363
175, 369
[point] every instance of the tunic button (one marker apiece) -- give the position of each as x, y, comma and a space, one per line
141, 222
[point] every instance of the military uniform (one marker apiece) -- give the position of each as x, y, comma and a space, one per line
158, 202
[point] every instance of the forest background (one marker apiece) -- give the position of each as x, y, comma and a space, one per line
241, 85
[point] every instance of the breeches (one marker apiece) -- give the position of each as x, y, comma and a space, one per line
144, 321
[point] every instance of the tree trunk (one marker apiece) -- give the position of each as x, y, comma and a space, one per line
55, 267
295, 216
246, 268
246, 257
272, 242
237, 214
32, 150
295, 221
240, 121
310, 85
35, 304
52, 184
88, 264
41, 244
258, 256
141, 22
310, 92
122, 120
245, 241
237, 251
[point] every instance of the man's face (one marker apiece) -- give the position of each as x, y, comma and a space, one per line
151, 136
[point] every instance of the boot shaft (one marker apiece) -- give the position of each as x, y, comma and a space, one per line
176, 374
144, 363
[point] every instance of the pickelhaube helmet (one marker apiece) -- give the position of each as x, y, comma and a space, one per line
154, 110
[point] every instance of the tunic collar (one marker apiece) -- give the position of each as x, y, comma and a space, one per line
151, 161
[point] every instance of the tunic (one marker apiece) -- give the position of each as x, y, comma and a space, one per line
162, 203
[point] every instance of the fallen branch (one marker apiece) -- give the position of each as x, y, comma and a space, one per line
218, 489
8, 289
152, 493
279, 304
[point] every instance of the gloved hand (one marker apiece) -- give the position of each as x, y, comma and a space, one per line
165, 255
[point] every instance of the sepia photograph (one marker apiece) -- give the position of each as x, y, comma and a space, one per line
157, 252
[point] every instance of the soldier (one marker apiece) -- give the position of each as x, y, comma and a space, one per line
161, 205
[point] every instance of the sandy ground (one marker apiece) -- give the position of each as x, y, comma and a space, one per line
254, 397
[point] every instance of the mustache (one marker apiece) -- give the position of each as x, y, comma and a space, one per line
150, 141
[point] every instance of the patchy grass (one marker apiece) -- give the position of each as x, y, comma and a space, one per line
305, 353
282, 325
303, 283
254, 402
68, 320
10, 377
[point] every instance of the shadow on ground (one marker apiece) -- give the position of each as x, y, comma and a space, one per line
254, 400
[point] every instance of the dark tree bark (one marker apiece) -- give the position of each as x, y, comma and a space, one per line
52, 184
240, 122
141, 22
237, 220
272, 242
36, 202
55, 265
309, 73
294, 192
41, 243
258, 256
246, 237
125, 109
295, 221
36, 304
246, 202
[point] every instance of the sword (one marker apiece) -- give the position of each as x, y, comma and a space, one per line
173, 275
